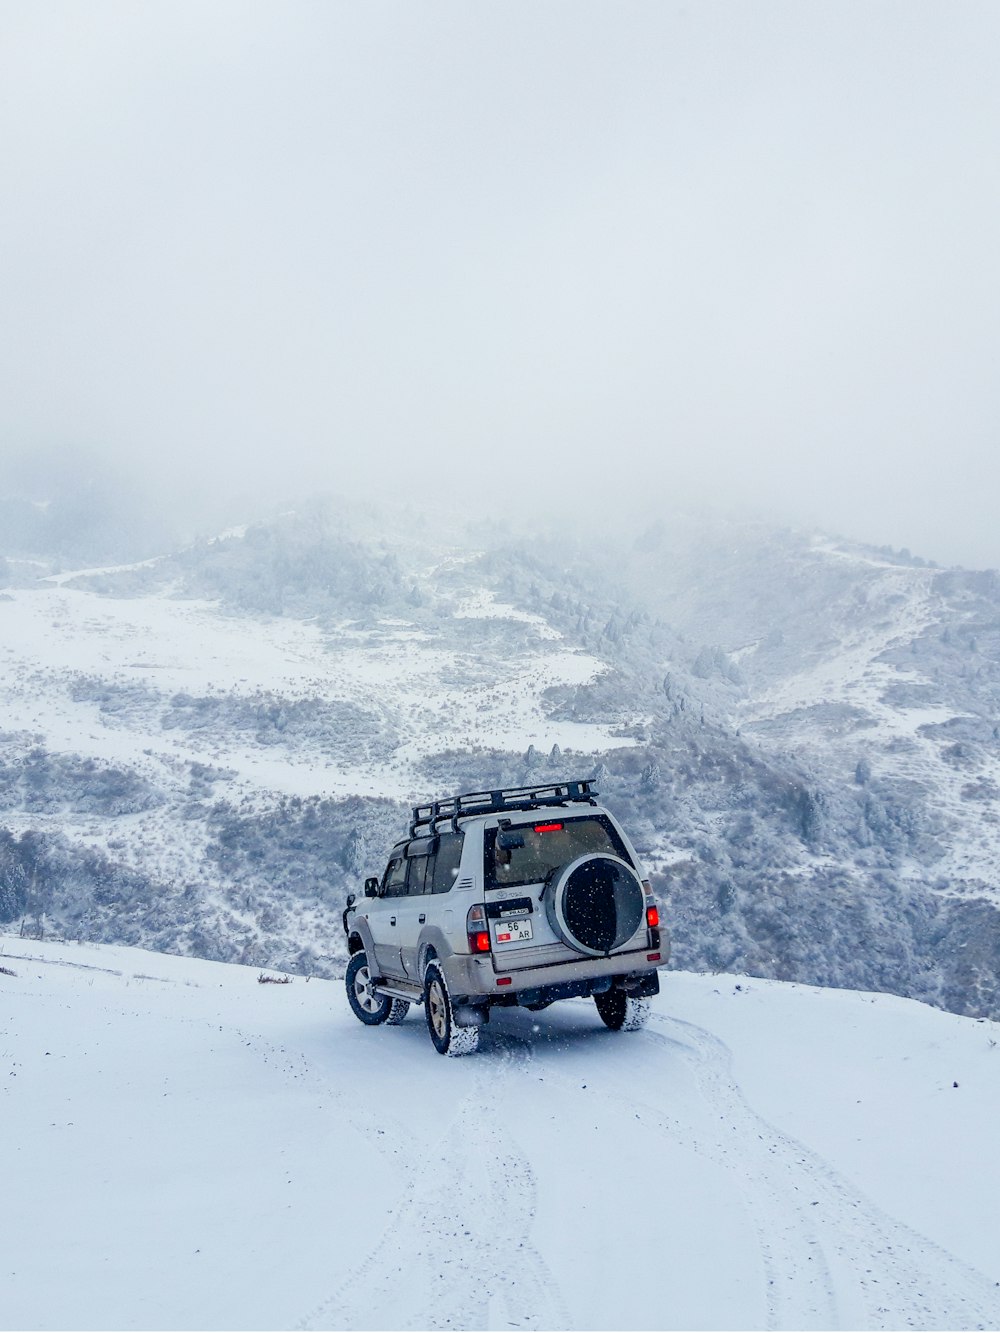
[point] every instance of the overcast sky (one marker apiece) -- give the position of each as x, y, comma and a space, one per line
564, 255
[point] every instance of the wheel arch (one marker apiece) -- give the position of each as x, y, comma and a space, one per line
433, 944
360, 937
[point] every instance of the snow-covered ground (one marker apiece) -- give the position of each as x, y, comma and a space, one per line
184, 1147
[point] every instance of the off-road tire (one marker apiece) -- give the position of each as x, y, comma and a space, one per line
621, 1012
398, 1011
448, 1039
369, 1007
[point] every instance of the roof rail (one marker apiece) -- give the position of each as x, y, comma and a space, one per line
503, 799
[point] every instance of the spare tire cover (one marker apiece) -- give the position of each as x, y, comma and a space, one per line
595, 903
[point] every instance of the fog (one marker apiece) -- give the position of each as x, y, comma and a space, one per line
577, 259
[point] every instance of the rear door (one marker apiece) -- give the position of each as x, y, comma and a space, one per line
432, 871
413, 908
518, 860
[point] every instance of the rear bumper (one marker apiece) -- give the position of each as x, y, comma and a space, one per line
473, 980
633, 983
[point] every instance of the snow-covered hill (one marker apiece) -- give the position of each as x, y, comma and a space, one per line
158, 683
185, 1147
863, 661
206, 751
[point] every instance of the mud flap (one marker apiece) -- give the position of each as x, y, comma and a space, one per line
647, 983
469, 1015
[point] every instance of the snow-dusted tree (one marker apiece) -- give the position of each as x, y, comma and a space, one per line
353, 857
13, 879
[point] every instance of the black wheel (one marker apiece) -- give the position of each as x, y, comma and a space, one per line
447, 1038
369, 1006
621, 1012
397, 1011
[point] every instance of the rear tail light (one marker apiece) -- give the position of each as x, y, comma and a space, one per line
652, 923
477, 929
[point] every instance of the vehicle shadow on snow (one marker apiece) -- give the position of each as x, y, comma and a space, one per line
570, 1025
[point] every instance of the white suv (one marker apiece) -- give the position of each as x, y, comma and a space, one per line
514, 897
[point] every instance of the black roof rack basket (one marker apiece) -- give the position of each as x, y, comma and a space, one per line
504, 799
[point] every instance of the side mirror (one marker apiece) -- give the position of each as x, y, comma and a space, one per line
371, 887
352, 898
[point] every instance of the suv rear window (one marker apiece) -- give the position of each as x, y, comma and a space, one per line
528, 853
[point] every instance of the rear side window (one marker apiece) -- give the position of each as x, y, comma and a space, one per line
445, 864
416, 870
528, 853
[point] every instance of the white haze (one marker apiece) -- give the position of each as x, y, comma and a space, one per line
561, 258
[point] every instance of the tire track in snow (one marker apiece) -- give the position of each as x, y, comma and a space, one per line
532, 1298
888, 1275
464, 1222
799, 1290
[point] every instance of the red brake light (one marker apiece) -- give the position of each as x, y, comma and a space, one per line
652, 917
477, 930
547, 828
504, 981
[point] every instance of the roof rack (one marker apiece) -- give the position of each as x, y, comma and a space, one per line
496, 802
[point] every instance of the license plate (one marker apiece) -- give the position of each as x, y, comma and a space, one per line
510, 932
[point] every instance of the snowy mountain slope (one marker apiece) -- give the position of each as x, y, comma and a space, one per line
202, 752
846, 655
188, 1148
188, 706
878, 698
206, 751
66, 650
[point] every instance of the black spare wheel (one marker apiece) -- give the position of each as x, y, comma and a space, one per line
595, 903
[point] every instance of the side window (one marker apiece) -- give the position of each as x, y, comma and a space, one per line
394, 879
416, 869
446, 863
